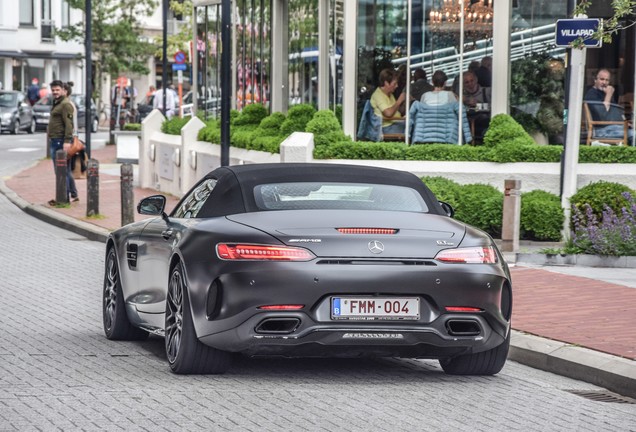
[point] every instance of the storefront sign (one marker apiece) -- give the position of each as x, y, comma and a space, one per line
569, 30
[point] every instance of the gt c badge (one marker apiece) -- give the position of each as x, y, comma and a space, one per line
376, 247
444, 243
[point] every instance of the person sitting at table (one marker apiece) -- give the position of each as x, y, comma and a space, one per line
477, 99
435, 119
601, 99
385, 105
420, 84
439, 95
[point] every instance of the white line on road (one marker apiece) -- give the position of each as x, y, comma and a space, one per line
24, 149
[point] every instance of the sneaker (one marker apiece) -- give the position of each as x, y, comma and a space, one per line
52, 203
74, 199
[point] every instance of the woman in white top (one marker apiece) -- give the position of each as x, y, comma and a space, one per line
438, 96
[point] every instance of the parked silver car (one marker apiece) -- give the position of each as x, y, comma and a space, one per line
15, 112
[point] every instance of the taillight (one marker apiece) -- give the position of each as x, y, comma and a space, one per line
370, 231
462, 309
469, 255
281, 307
229, 251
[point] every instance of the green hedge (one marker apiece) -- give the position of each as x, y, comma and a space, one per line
541, 216
481, 206
598, 195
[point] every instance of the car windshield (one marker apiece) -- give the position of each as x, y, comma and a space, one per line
8, 99
46, 100
341, 196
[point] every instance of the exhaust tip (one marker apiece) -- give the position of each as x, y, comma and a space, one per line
277, 326
463, 327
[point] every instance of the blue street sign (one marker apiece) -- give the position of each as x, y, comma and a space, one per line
569, 30
178, 67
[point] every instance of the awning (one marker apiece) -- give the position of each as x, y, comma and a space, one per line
41, 55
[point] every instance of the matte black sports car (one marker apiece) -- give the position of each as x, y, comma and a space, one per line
309, 260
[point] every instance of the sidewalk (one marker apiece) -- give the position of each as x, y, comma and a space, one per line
581, 327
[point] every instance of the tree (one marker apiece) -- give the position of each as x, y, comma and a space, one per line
624, 10
116, 36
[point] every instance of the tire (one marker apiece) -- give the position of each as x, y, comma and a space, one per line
94, 125
16, 128
185, 353
32, 126
484, 363
117, 326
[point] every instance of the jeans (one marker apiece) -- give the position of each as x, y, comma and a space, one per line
58, 144
614, 131
395, 127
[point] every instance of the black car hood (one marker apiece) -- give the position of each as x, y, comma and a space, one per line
417, 235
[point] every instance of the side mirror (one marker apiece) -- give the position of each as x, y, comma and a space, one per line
448, 209
152, 205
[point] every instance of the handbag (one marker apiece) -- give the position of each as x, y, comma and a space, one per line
76, 146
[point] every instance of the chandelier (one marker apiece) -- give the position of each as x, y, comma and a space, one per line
478, 16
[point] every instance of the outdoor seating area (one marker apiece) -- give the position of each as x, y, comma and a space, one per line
592, 126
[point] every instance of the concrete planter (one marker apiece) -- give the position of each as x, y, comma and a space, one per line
127, 143
576, 259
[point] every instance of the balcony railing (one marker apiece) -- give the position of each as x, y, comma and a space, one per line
47, 28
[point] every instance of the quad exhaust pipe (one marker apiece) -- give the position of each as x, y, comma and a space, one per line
277, 326
457, 327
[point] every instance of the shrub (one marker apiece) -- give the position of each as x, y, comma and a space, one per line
444, 189
613, 234
505, 131
243, 137
174, 125
132, 127
518, 151
326, 128
599, 194
541, 216
252, 114
297, 118
444, 152
211, 132
480, 205
270, 125
361, 150
269, 144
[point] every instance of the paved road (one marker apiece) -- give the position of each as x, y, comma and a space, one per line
58, 371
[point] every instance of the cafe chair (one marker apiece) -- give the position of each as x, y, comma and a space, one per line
370, 127
591, 125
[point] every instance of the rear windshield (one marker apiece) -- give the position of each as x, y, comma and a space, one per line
340, 196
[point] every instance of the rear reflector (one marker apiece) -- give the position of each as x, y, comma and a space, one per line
281, 307
367, 230
471, 255
228, 251
462, 309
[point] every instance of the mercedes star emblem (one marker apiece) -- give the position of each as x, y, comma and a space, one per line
376, 247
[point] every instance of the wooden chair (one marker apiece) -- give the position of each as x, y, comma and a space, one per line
392, 136
590, 124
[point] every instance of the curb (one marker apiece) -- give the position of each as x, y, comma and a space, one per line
575, 259
614, 373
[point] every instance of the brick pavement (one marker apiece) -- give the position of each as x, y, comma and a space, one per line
571, 309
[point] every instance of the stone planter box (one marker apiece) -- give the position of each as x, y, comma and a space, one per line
574, 260
127, 143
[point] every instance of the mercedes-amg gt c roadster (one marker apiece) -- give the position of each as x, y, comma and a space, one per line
304, 260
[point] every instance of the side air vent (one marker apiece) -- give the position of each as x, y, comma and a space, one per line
131, 255
372, 231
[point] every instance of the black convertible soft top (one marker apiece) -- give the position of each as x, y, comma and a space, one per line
233, 192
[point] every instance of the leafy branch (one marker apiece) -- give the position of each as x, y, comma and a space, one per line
621, 20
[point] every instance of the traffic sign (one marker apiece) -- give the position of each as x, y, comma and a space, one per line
180, 57
569, 30
178, 67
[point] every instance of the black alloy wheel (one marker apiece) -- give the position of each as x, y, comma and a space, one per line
186, 354
117, 326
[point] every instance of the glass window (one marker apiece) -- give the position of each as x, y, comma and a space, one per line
26, 12
66, 14
191, 205
339, 196
46, 10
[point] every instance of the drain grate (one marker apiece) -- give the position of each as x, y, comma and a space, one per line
603, 396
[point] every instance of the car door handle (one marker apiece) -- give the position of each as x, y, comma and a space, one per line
167, 233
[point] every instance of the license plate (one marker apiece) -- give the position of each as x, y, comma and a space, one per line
43, 121
375, 308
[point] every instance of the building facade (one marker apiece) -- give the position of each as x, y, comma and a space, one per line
29, 48
329, 52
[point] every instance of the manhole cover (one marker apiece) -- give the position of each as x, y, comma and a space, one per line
603, 396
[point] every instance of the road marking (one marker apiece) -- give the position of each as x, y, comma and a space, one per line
24, 149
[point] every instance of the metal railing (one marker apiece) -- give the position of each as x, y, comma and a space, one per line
522, 43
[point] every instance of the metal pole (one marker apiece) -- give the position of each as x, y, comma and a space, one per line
88, 45
164, 65
92, 186
226, 80
61, 180
127, 206
460, 123
409, 27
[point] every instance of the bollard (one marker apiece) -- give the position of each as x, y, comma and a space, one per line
61, 180
92, 188
127, 206
511, 216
